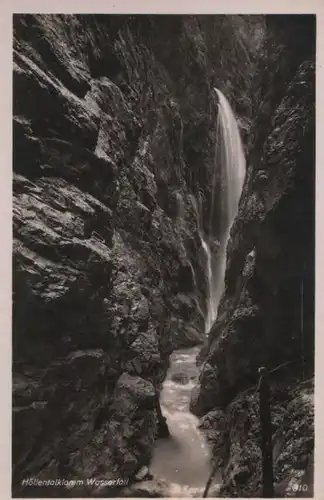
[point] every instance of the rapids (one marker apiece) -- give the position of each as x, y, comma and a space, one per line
183, 459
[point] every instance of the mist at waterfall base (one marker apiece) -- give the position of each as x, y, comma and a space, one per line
184, 458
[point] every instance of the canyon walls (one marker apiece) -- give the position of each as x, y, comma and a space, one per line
113, 129
266, 315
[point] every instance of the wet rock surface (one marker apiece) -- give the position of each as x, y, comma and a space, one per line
266, 315
113, 133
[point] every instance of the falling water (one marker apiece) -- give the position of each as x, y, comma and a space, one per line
210, 291
230, 162
184, 458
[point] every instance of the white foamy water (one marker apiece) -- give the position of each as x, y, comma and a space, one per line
210, 291
230, 159
230, 164
183, 459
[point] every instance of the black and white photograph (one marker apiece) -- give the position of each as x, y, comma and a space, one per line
163, 255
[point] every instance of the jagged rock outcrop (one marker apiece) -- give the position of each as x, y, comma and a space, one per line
266, 315
114, 124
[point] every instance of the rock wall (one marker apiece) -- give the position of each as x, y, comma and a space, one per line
114, 123
266, 315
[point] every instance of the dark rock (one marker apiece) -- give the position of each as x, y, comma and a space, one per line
180, 378
113, 133
162, 429
51, 106
270, 264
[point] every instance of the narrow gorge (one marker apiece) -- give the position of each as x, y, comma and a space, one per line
163, 251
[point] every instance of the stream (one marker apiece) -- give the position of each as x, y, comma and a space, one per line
183, 459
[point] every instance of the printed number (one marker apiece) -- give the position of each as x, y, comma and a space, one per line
299, 487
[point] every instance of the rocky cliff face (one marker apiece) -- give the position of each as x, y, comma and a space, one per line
114, 123
266, 315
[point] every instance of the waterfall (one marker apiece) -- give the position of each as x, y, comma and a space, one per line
184, 459
229, 166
